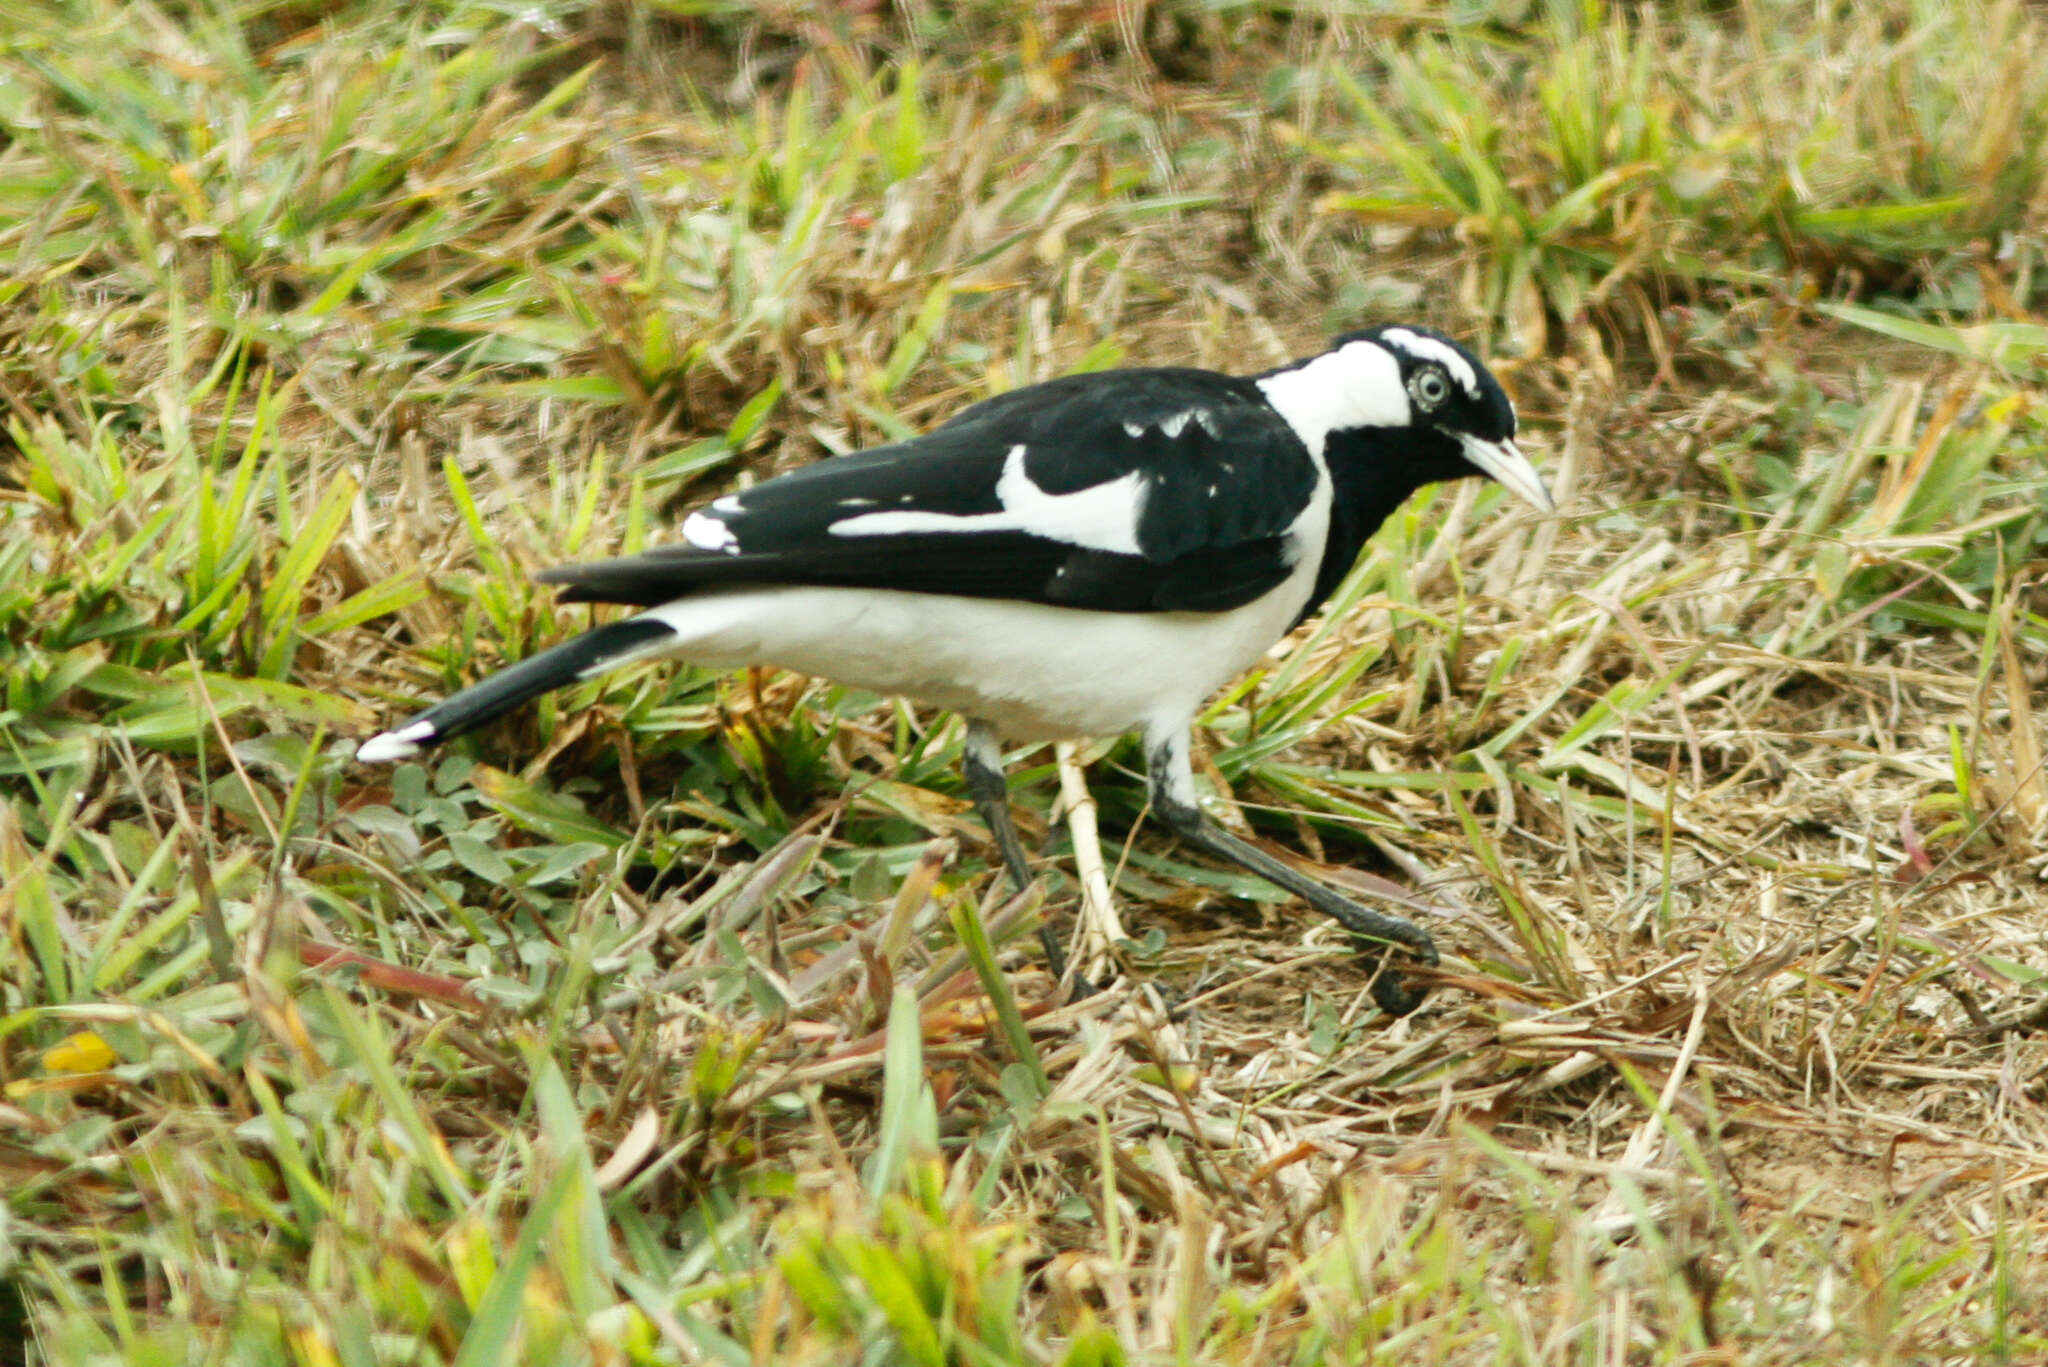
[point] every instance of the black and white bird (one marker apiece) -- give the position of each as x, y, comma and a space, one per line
1088, 556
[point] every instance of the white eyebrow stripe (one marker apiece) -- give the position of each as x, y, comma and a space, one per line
1102, 517
1429, 348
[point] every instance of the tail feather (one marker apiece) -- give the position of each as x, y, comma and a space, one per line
601, 648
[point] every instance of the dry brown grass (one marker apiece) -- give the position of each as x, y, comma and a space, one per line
677, 1043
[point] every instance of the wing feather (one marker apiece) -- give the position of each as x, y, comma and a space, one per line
1146, 491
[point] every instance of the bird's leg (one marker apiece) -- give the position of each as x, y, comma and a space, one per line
982, 765
1173, 797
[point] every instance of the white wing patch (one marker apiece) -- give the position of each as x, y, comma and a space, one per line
1175, 424
1103, 517
707, 533
1430, 349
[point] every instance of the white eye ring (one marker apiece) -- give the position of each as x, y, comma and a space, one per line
1429, 387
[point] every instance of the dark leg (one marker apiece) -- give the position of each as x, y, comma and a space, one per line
982, 765
1173, 797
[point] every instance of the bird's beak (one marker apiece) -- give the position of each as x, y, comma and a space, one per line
1504, 461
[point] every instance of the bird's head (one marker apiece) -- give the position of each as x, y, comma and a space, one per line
1453, 415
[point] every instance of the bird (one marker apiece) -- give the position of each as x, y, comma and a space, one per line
1086, 556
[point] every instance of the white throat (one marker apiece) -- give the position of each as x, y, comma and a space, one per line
1357, 385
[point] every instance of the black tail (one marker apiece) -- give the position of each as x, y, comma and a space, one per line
612, 643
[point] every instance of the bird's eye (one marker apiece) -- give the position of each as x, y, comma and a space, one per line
1430, 387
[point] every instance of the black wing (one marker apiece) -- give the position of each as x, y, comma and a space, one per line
1126, 491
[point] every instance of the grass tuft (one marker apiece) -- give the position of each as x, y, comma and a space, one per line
673, 1021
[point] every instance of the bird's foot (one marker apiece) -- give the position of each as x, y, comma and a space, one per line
1056, 964
1388, 991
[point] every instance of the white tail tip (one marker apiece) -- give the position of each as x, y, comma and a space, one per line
391, 746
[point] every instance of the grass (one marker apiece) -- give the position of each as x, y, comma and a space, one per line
684, 1017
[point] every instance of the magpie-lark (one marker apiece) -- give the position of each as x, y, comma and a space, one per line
1084, 557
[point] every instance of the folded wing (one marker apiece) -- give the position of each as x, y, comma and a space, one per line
1126, 498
